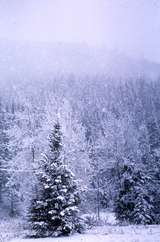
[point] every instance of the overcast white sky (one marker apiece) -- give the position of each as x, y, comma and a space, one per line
131, 26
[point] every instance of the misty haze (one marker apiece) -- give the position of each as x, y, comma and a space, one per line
79, 120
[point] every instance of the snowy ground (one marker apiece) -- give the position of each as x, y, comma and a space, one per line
109, 234
10, 228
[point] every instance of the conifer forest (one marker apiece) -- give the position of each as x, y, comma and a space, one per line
79, 121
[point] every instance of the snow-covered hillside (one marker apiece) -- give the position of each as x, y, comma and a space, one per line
79, 121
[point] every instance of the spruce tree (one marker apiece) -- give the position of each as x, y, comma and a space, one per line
152, 160
124, 204
4, 149
134, 204
54, 210
143, 208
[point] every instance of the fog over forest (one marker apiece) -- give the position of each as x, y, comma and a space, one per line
80, 120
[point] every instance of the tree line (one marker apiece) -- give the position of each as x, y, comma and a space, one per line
111, 142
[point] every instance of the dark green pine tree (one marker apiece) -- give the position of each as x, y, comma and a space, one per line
54, 211
153, 165
124, 204
148, 187
134, 204
4, 149
143, 204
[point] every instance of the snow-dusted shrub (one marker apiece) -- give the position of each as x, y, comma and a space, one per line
90, 220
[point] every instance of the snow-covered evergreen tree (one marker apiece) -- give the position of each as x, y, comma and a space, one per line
143, 208
54, 210
4, 149
134, 203
124, 204
154, 165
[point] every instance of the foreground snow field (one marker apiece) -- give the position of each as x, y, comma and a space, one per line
109, 234
12, 230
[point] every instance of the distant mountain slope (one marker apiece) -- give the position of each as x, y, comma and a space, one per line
25, 61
